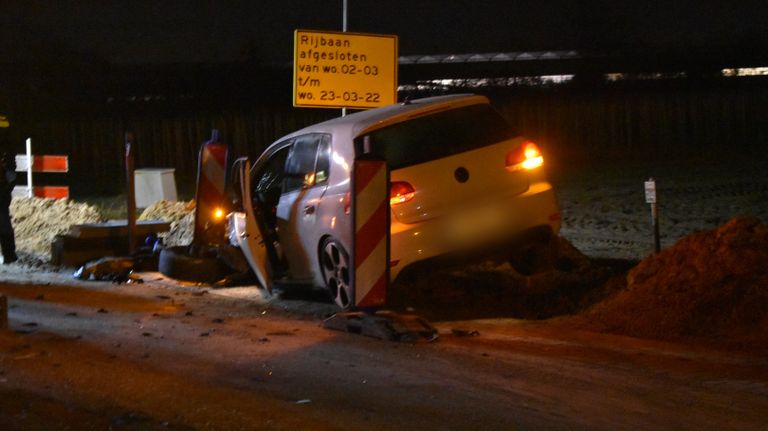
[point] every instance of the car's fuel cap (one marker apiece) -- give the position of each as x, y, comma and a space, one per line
461, 174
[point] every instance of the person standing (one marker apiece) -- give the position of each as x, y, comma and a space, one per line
7, 182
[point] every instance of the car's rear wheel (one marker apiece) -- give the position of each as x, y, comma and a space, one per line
335, 265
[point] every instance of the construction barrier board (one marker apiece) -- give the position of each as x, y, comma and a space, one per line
50, 192
370, 212
211, 188
43, 163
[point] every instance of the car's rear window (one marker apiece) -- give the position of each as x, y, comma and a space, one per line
438, 135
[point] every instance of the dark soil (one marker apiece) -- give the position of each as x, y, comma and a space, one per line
528, 285
712, 284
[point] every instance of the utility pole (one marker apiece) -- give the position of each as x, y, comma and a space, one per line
344, 29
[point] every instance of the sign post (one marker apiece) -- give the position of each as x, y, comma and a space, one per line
30, 163
344, 70
650, 198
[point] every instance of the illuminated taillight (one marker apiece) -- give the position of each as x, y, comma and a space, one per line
400, 192
527, 156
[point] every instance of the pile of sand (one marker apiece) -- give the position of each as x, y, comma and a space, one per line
169, 211
711, 284
182, 231
180, 214
37, 221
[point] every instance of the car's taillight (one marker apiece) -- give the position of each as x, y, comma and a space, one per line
526, 156
400, 192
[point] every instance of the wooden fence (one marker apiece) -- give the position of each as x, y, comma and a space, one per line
653, 120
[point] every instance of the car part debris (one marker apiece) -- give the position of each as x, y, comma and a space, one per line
129, 278
106, 268
384, 325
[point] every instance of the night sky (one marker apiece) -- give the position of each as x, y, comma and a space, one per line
176, 31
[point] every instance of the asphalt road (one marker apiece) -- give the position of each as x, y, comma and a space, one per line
161, 355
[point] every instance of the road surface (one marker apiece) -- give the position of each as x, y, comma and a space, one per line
162, 355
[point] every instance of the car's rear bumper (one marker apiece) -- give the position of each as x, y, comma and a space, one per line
473, 227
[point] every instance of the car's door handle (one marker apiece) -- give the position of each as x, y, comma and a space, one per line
309, 210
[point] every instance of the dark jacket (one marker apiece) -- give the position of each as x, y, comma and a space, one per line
7, 177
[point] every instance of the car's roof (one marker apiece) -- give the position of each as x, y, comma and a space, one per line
359, 123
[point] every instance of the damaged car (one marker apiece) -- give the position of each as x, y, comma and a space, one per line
460, 179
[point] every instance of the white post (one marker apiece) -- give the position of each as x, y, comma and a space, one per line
29, 168
650, 197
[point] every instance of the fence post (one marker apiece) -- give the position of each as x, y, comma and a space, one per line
30, 162
129, 159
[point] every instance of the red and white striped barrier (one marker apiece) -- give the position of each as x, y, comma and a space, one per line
371, 229
211, 186
46, 164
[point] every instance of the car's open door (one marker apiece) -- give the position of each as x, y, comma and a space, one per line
247, 229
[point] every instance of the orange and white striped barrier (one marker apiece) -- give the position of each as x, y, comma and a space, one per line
211, 200
370, 205
42, 164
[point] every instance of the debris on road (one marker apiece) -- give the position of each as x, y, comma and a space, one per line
106, 268
384, 325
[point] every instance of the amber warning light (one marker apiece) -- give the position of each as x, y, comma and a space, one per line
525, 157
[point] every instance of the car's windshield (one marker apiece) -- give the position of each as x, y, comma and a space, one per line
437, 135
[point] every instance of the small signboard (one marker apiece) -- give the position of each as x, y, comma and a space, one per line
344, 70
44, 163
650, 191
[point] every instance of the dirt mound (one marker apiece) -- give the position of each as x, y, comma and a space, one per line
180, 214
711, 284
549, 281
37, 221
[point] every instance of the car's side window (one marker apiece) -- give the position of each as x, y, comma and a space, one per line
308, 162
323, 164
270, 177
267, 184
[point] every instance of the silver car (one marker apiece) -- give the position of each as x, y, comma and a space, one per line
459, 179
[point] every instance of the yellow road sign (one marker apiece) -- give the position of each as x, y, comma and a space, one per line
344, 70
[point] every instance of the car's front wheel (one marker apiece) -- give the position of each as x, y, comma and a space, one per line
335, 265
